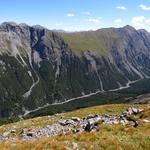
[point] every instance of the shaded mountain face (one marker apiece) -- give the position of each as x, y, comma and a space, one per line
40, 67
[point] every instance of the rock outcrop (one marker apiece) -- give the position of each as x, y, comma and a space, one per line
77, 125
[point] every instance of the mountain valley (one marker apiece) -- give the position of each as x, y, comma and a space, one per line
42, 68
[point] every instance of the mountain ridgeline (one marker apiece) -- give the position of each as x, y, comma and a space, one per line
40, 67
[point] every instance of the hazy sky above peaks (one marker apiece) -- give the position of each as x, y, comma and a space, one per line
76, 15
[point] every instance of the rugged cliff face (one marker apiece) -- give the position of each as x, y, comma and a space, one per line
40, 67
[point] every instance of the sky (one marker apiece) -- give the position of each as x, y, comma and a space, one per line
77, 15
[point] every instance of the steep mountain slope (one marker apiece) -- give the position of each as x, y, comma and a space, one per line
40, 67
126, 48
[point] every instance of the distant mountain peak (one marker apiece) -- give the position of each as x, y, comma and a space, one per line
10, 23
38, 27
128, 27
23, 24
59, 30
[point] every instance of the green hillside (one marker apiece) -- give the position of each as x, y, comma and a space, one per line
99, 41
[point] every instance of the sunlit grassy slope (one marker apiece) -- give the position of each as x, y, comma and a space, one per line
107, 137
100, 41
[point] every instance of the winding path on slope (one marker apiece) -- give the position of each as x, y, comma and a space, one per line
80, 97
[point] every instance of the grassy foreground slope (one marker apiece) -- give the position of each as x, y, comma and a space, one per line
107, 137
